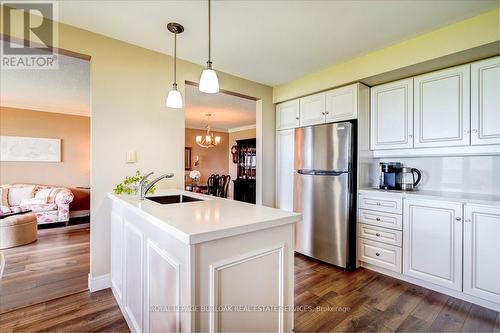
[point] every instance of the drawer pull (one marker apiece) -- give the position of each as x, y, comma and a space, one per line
378, 203
377, 254
458, 219
378, 219
377, 234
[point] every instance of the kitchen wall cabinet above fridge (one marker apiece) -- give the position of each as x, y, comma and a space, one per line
331, 106
455, 111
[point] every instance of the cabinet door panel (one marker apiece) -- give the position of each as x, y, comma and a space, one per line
134, 244
432, 242
284, 169
392, 115
163, 290
442, 108
342, 103
117, 254
287, 115
485, 102
312, 110
482, 252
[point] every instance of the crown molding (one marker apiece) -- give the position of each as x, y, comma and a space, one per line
241, 128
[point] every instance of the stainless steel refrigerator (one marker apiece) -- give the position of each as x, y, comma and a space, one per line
324, 192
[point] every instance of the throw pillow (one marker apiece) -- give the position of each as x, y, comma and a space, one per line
16, 194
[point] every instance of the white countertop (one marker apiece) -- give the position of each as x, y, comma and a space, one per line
476, 198
202, 221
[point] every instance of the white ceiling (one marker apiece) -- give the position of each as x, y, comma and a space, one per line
62, 90
273, 41
228, 112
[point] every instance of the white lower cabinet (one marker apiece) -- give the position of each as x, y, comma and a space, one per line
432, 241
482, 252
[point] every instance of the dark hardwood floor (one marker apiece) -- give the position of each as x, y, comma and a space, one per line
56, 265
366, 301
331, 300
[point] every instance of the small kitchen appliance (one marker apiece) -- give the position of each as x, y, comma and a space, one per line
390, 175
408, 182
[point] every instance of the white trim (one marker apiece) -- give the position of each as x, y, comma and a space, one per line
152, 246
440, 151
431, 286
60, 109
99, 282
230, 262
241, 128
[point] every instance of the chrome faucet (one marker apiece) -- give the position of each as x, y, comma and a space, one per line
144, 188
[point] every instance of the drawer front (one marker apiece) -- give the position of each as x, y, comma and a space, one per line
378, 219
384, 235
387, 204
380, 254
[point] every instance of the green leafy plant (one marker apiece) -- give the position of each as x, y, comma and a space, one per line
130, 185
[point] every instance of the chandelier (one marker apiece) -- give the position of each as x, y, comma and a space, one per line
209, 140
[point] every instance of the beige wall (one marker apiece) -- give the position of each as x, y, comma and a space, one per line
129, 85
480, 30
212, 160
74, 131
233, 136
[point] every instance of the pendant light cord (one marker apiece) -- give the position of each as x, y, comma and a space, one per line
209, 35
175, 59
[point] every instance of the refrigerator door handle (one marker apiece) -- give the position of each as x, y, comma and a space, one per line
320, 173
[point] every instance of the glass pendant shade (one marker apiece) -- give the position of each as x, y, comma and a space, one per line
198, 139
209, 83
174, 99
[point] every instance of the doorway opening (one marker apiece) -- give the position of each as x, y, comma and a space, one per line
221, 156
45, 181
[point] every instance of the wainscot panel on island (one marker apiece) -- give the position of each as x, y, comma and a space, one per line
189, 262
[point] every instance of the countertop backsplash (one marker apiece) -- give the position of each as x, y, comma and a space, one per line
469, 174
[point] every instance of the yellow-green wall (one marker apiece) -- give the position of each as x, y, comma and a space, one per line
476, 31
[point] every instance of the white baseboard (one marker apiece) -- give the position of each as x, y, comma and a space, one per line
99, 282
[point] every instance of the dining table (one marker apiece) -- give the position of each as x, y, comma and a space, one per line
198, 187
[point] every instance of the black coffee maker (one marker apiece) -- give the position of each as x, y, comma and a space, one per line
390, 175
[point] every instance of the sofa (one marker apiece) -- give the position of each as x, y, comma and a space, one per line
50, 204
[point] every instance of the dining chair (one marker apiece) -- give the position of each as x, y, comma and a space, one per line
224, 186
213, 184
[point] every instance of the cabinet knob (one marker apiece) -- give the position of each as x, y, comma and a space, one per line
327, 112
378, 219
410, 136
468, 220
377, 234
377, 254
322, 113
458, 218
297, 118
378, 203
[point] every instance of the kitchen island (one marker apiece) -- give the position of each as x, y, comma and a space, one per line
204, 264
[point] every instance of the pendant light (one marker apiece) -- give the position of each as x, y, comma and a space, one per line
209, 83
174, 98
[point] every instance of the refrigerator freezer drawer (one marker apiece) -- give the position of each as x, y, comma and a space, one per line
380, 254
324, 203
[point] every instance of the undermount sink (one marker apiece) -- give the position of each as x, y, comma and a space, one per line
171, 199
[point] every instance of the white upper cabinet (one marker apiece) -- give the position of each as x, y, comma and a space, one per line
432, 241
392, 115
312, 110
482, 252
287, 115
342, 103
485, 102
442, 108
284, 169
